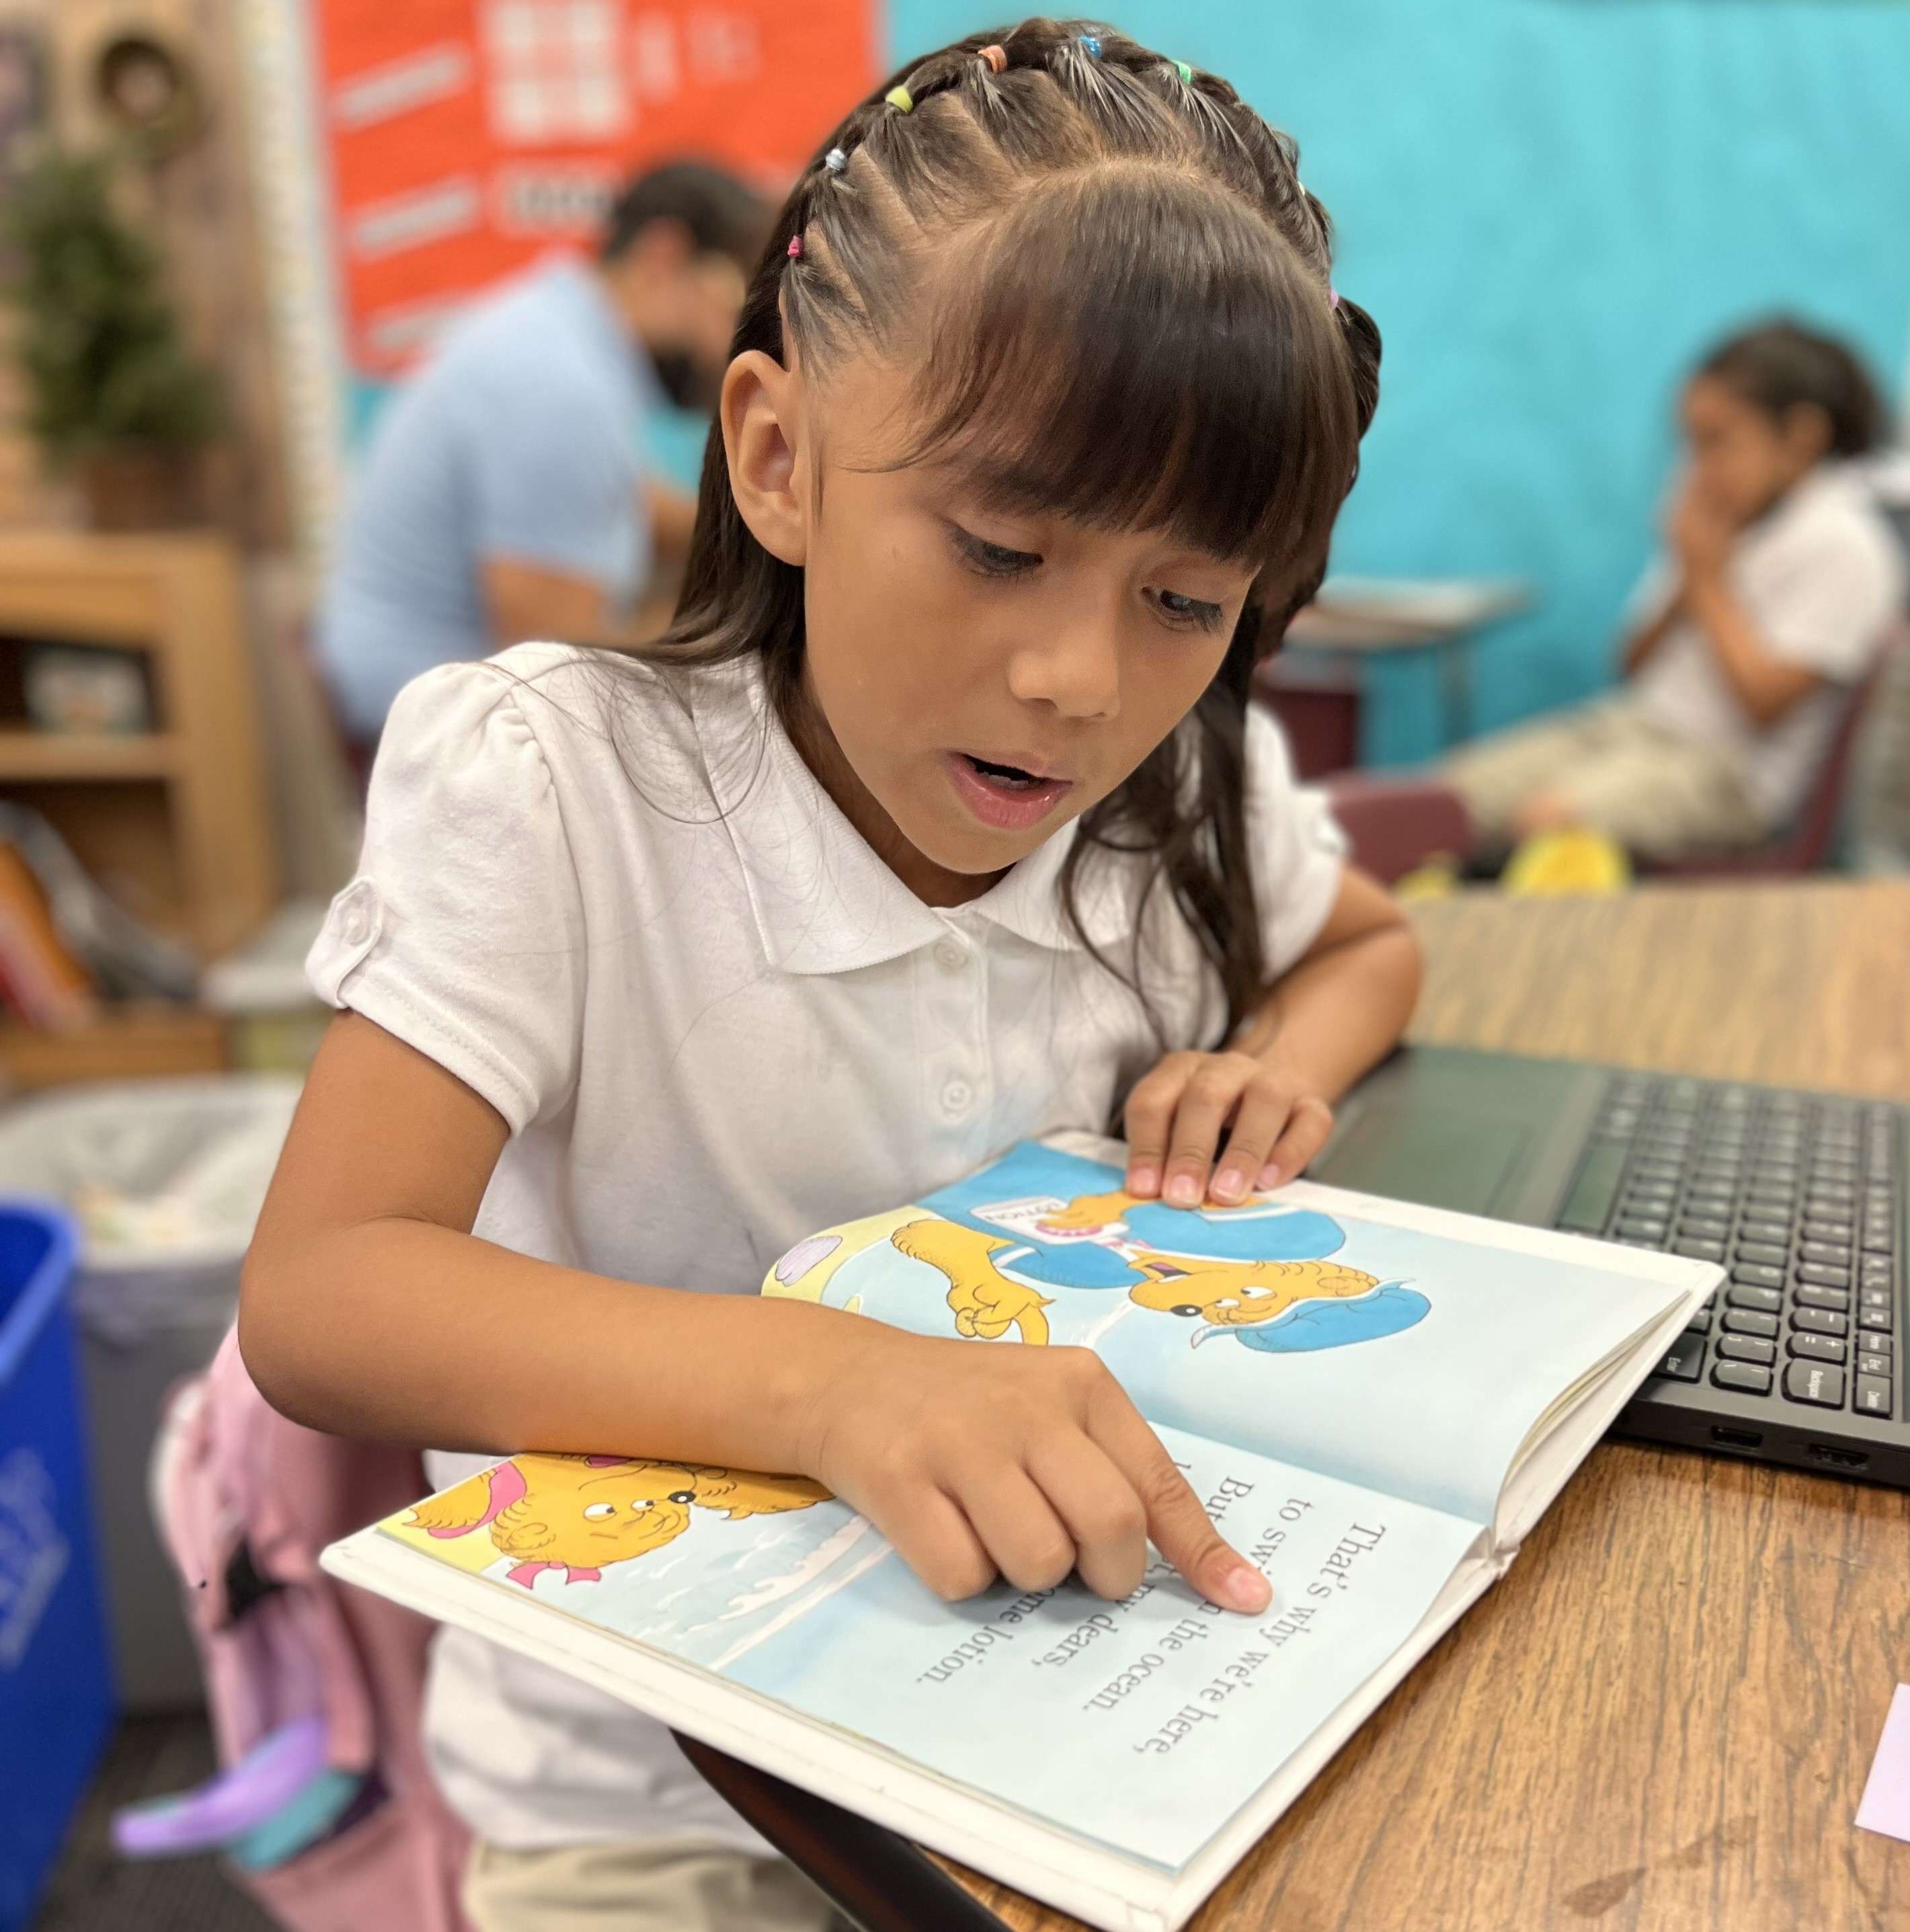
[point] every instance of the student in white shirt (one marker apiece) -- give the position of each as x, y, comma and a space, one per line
1781, 585
940, 821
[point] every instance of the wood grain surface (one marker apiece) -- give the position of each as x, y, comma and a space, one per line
1662, 1719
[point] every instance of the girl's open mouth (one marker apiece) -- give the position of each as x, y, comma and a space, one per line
1005, 798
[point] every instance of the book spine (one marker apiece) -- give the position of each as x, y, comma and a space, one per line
49, 987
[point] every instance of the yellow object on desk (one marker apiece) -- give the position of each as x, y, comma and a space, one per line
1566, 864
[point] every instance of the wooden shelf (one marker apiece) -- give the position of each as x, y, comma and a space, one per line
173, 821
124, 1043
28, 756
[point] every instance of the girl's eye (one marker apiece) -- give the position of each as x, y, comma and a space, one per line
1188, 612
991, 559
641, 1507
596, 1512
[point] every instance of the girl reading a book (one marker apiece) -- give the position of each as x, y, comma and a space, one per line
939, 821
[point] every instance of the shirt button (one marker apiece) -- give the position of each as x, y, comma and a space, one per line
356, 914
948, 954
957, 1096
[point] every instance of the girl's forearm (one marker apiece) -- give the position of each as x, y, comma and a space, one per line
1640, 645
438, 1340
1337, 1014
1765, 684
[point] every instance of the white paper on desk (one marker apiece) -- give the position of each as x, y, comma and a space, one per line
1886, 1805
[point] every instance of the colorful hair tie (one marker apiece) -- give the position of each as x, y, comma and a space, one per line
1185, 72
996, 57
835, 160
1332, 294
900, 97
795, 248
1092, 42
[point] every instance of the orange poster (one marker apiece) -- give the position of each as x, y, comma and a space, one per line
465, 137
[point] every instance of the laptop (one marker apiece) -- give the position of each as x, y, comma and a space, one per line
1798, 1359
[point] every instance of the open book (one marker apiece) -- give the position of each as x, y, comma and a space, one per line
1375, 1402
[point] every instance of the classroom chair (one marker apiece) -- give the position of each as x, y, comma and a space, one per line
1396, 825
1809, 842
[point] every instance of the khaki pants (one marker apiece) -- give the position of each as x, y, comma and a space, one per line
1657, 794
654, 1886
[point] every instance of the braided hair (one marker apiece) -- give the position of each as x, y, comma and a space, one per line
1120, 293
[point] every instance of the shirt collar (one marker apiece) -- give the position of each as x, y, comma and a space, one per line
1026, 900
823, 900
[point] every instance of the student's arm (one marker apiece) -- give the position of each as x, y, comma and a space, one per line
1767, 686
1649, 635
559, 515
1764, 683
1254, 1115
526, 601
369, 1309
672, 514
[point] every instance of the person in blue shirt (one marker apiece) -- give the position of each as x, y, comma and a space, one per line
508, 492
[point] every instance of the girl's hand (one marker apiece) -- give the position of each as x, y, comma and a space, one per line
1700, 533
976, 1459
1180, 1113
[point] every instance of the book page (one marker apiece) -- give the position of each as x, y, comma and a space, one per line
1400, 1348
1142, 1726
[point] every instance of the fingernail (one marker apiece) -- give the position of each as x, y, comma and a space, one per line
1270, 1175
1142, 1180
1183, 1191
1245, 1589
1230, 1185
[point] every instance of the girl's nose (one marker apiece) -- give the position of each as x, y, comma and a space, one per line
1072, 663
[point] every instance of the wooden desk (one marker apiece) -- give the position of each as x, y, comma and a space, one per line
1662, 1719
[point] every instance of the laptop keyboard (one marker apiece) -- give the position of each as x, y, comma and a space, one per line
1797, 1195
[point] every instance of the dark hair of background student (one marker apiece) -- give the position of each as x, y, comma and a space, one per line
1782, 365
722, 215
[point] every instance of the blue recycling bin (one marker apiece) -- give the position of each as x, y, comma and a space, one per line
56, 1693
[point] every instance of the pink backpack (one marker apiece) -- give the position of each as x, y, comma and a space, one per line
246, 1500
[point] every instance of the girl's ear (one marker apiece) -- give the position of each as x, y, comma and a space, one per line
761, 415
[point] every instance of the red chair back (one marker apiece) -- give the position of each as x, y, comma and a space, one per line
1806, 844
1395, 825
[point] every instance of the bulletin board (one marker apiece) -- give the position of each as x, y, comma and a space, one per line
465, 137
435, 146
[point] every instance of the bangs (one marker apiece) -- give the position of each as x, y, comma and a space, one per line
1134, 348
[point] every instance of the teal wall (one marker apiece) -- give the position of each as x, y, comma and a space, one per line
1551, 206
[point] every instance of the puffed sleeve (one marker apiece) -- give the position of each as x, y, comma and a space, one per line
1299, 853
463, 933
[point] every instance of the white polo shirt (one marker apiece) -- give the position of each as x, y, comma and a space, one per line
1821, 579
715, 1021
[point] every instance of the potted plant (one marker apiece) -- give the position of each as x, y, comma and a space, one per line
115, 397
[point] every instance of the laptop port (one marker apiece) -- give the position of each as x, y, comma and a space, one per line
1838, 1459
1737, 1438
